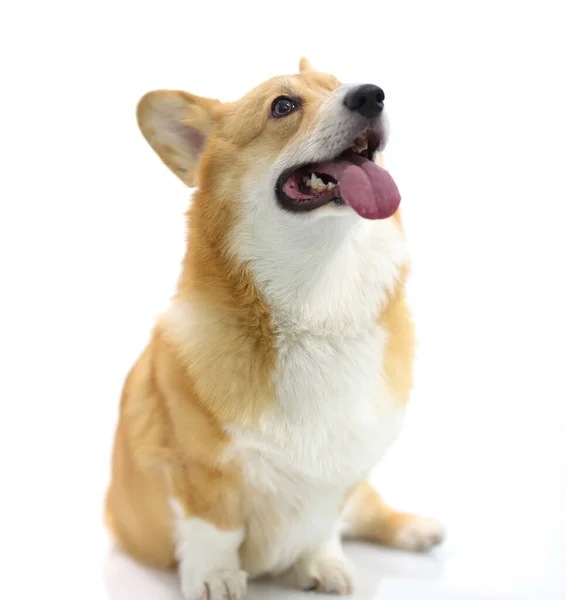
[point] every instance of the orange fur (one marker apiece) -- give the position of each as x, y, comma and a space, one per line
399, 354
369, 518
195, 377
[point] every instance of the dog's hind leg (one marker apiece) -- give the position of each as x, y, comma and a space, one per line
367, 517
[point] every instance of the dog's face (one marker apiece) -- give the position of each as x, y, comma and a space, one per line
297, 146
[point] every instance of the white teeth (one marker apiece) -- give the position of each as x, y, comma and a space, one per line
316, 183
360, 143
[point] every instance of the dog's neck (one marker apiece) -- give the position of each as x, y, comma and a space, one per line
326, 274
323, 274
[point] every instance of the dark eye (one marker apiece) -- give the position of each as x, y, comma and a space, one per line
283, 106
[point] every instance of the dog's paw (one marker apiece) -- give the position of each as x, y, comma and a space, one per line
419, 534
333, 576
328, 575
216, 585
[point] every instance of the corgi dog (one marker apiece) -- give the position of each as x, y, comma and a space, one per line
279, 374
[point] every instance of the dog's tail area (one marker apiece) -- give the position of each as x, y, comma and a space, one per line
367, 517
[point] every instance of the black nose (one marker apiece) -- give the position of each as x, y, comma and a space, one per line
367, 99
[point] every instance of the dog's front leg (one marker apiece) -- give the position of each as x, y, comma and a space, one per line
208, 533
325, 569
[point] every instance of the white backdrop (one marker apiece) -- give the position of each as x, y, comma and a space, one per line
91, 237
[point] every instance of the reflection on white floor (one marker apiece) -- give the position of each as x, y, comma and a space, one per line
381, 574
126, 579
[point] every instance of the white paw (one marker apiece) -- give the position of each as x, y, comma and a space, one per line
217, 585
333, 576
326, 575
420, 534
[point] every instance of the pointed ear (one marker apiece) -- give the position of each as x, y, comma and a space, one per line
176, 125
304, 65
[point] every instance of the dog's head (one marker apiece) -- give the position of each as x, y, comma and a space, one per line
295, 147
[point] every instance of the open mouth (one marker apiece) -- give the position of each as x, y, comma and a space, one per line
351, 178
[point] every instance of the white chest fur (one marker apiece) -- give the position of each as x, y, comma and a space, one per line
335, 418
334, 421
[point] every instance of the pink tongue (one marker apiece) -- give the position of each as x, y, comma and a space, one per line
364, 186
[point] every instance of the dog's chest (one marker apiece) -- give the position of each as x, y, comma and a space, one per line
334, 421
335, 412
334, 417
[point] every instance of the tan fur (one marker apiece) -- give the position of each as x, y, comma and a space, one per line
305, 65
161, 114
189, 383
399, 353
369, 518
